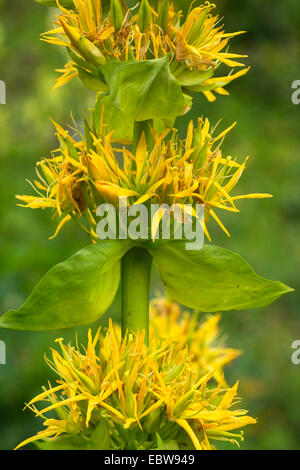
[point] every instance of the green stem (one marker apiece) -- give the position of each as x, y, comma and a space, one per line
136, 265
136, 272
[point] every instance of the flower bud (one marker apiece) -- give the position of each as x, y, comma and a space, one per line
195, 21
116, 14
48, 175
88, 50
72, 427
91, 80
163, 18
113, 192
174, 374
200, 143
96, 171
144, 15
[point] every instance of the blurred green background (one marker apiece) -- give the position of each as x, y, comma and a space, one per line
266, 232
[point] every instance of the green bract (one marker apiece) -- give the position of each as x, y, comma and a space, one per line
121, 125
145, 90
138, 91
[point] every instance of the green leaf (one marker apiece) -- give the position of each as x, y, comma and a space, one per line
145, 89
212, 279
75, 292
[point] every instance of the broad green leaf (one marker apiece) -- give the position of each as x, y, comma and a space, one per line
213, 279
145, 89
75, 292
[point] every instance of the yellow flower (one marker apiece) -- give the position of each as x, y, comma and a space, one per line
203, 339
196, 45
201, 42
67, 73
145, 395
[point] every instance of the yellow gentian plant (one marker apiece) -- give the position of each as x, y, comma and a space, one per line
156, 382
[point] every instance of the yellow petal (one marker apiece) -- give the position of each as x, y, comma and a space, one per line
60, 225
185, 425
39, 436
219, 222
253, 196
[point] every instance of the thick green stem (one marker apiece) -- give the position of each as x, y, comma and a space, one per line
136, 265
136, 272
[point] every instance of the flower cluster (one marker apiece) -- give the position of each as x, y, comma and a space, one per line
197, 45
206, 347
85, 172
129, 396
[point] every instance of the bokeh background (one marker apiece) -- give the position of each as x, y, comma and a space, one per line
266, 232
